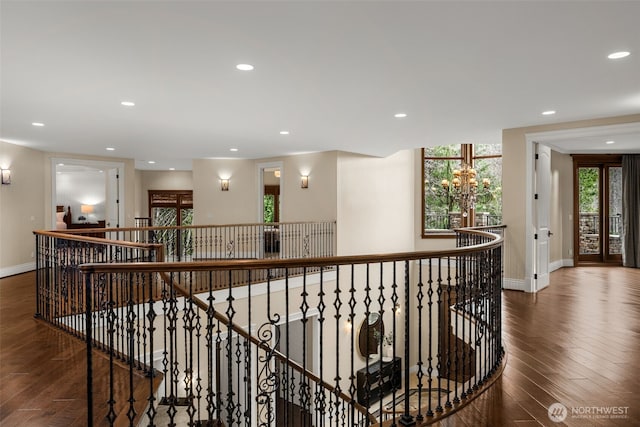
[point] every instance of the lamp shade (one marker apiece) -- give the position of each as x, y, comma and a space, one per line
86, 209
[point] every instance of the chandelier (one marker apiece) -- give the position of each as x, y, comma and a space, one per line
463, 188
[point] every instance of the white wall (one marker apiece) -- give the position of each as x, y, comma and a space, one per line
375, 203
21, 207
214, 206
318, 201
561, 242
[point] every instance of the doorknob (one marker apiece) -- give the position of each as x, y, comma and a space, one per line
549, 233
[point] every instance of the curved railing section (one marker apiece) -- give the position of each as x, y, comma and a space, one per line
392, 339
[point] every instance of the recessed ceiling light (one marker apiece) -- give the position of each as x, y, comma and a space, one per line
110, 149
151, 162
284, 132
610, 142
618, 55
548, 112
172, 169
38, 124
400, 115
233, 149
244, 67
60, 164
128, 103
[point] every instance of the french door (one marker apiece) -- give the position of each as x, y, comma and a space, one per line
598, 209
171, 208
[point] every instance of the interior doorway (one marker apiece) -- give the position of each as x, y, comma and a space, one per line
91, 190
598, 204
271, 194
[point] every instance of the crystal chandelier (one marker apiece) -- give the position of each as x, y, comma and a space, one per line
463, 188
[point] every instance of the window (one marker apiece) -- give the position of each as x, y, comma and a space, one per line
442, 210
170, 208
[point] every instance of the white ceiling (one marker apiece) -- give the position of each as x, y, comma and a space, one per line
331, 73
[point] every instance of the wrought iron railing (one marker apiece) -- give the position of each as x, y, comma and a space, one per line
292, 351
448, 221
232, 241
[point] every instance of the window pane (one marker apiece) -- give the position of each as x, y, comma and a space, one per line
452, 150
438, 208
269, 213
442, 209
487, 149
588, 197
615, 210
489, 202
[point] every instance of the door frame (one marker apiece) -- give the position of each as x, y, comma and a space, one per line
260, 176
554, 139
93, 164
603, 162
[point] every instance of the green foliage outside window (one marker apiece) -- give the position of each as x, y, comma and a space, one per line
588, 179
442, 212
269, 212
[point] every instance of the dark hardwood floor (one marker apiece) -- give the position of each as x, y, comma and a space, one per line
577, 343
43, 370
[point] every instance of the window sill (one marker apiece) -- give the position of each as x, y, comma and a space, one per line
439, 234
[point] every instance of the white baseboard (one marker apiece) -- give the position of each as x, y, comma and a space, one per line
567, 262
17, 269
513, 284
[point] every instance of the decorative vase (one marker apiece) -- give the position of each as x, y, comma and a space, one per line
388, 352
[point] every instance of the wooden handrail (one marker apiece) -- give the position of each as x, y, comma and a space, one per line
174, 227
244, 264
73, 236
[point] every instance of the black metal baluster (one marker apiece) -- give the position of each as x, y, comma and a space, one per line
131, 320
458, 312
406, 419
441, 316
352, 377
211, 353
150, 328
337, 304
430, 356
89, 339
382, 333
420, 296
448, 334
320, 391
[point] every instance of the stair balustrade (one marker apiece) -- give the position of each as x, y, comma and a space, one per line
278, 341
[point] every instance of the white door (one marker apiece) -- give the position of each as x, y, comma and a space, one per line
542, 203
113, 198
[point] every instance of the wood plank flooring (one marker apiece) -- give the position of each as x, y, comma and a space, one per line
43, 370
577, 343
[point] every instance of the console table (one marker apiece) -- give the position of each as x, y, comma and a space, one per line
378, 380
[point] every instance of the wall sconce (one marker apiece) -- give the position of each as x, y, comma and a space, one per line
305, 181
6, 176
224, 184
